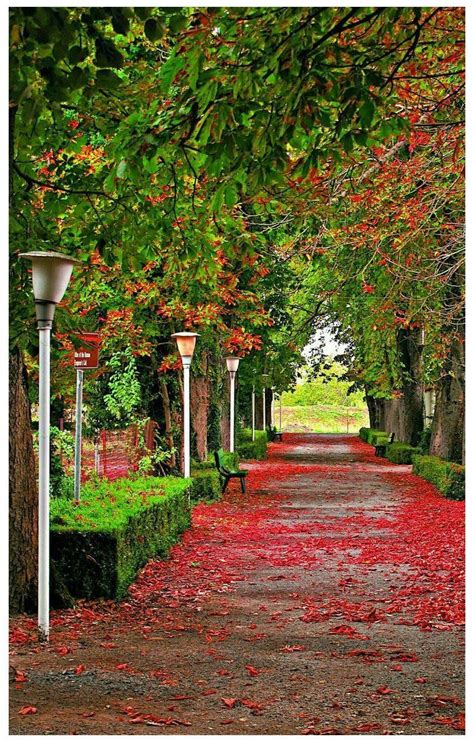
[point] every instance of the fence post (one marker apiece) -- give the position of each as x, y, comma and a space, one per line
103, 436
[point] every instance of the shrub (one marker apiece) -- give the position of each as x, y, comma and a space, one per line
424, 440
98, 546
231, 461
376, 437
364, 433
447, 477
400, 453
249, 449
206, 484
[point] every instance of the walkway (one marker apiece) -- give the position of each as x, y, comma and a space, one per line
327, 601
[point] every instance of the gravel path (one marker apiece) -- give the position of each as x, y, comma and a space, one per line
327, 600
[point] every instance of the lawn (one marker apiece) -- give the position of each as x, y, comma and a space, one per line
322, 418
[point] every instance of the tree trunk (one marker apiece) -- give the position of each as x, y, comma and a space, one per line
23, 515
376, 408
447, 433
199, 412
410, 406
372, 408
167, 415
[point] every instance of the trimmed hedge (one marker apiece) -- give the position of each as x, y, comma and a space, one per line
400, 453
377, 437
206, 484
364, 433
249, 449
98, 546
447, 477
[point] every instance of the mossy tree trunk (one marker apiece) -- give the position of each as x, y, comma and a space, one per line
409, 406
447, 436
23, 512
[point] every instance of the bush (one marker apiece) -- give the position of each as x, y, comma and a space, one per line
424, 440
364, 433
98, 546
206, 484
400, 453
447, 477
249, 449
376, 437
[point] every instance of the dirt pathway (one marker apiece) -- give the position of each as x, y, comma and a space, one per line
327, 600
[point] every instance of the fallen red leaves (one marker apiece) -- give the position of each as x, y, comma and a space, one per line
415, 544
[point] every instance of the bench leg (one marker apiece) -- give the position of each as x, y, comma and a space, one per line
242, 484
226, 482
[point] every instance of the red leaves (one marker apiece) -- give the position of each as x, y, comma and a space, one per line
456, 722
348, 631
292, 648
252, 705
27, 710
20, 677
63, 651
252, 671
229, 702
417, 565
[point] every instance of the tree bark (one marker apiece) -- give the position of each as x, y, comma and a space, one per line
167, 415
447, 433
23, 500
199, 413
410, 404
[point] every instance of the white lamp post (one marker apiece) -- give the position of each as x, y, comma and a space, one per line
264, 411
253, 412
232, 366
51, 274
186, 342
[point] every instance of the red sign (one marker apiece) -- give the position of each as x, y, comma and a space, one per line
87, 355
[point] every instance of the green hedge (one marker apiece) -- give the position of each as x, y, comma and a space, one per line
447, 477
372, 436
206, 484
249, 449
401, 453
98, 546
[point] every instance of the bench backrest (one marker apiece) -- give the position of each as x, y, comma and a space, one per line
219, 459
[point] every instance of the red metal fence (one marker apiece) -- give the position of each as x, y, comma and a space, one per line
115, 453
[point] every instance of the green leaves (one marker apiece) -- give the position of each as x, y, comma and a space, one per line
107, 79
366, 112
106, 54
154, 29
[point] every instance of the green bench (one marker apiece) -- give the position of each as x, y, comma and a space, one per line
274, 435
382, 443
228, 474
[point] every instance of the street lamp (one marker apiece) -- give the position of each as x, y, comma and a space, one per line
265, 378
186, 342
232, 366
253, 408
51, 274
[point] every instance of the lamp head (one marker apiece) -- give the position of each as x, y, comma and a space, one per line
186, 342
51, 274
232, 364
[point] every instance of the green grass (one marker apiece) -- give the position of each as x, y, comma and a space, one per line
108, 506
321, 419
